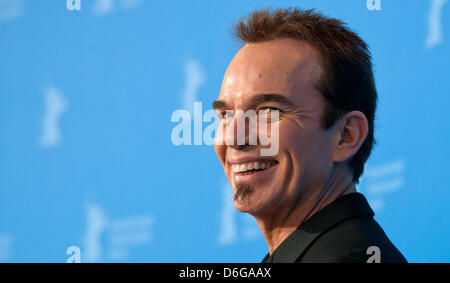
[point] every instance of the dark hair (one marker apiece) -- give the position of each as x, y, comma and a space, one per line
347, 81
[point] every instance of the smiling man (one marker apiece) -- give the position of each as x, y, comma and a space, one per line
316, 75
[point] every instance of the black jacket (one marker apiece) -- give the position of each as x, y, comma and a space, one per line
342, 231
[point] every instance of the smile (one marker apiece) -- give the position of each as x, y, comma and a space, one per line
252, 167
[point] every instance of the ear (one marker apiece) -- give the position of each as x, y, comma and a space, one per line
350, 134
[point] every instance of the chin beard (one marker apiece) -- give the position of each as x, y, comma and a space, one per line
243, 190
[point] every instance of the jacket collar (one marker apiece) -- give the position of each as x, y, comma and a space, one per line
295, 245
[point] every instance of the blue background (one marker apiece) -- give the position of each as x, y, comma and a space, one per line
107, 80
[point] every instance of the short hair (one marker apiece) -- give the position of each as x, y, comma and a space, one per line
347, 81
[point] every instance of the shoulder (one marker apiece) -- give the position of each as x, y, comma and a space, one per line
353, 240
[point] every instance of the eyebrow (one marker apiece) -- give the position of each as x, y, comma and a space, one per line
219, 104
256, 100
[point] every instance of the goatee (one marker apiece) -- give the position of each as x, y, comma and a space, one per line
243, 190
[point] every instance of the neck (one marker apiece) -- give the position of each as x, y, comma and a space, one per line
277, 226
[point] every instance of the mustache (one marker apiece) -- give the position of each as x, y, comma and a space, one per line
243, 190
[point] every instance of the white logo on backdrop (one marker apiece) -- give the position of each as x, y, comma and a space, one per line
105, 7
235, 225
55, 106
73, 5
195, 77
111, 239
373, 5
381, 180
435, 23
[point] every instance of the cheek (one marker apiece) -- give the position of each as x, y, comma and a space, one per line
221, 152
307, 147
219, 145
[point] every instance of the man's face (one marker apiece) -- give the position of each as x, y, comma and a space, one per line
288, 71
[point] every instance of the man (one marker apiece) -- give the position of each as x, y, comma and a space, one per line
316, 75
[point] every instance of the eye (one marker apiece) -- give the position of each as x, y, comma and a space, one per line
268, 108
269, 112
226, 114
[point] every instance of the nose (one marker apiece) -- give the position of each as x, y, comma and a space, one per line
241, 132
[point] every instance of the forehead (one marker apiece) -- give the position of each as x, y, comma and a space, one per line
286, 67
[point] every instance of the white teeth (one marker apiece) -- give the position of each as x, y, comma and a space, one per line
239, 168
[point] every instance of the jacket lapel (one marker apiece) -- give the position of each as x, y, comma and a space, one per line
293, 248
